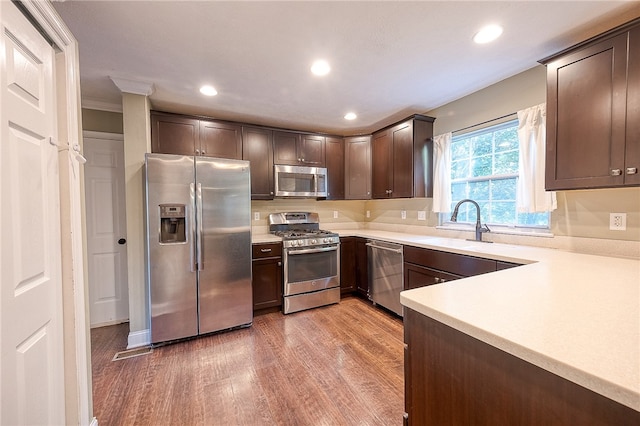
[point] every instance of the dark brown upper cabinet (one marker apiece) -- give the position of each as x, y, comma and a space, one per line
593, 112
257, 148
334, 148
357, 154
298, 149
181, 135
402, 157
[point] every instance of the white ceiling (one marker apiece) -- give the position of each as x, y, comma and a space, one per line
389, 59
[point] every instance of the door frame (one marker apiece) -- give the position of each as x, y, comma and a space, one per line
77, 368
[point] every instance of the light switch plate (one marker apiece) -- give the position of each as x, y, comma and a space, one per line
368, 213
403, 214
422, 215
335, 214
256, 216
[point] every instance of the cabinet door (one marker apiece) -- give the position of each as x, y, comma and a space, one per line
257, 148
347, 265
381, 154
632, 148
586, 116
357, 168
334, 148
420, 276
285, 148
172, 134
312, 150
221, 140
267, 283
402, 160
362, 270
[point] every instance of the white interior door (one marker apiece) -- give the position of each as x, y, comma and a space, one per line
106, 228
31, 338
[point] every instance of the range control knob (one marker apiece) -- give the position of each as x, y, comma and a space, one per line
314, 241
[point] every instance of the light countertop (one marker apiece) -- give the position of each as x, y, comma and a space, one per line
575, 315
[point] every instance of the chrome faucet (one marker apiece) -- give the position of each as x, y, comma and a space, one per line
479, 227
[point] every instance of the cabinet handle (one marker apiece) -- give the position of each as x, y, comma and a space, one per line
197, 152
437, 280
616, 172
265, 250
203, 153
279, 263
632, 170
271, 193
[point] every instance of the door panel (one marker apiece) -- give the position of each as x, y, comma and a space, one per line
32, 361
105, 201
224, 278
172, 273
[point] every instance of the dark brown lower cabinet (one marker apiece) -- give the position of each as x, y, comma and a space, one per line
452, 378
266, 268
362, 272
347, 265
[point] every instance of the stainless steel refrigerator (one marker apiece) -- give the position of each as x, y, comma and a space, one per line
198, 212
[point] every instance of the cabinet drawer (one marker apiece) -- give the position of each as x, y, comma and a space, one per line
266, 250
458, 264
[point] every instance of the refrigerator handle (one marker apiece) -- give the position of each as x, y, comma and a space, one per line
199, 225
192, 228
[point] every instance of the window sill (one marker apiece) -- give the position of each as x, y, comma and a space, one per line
529, 232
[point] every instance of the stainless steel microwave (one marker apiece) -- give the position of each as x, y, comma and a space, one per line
300, 181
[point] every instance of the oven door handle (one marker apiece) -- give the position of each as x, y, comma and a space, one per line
311, 250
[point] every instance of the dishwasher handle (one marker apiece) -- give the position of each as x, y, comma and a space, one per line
399, 251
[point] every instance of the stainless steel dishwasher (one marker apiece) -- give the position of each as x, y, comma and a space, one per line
385, 274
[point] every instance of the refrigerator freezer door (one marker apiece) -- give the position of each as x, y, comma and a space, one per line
225, 269
172, 277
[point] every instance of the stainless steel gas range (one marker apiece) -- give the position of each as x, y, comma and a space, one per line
311, 261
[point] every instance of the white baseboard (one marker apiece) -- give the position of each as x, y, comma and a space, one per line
139, 338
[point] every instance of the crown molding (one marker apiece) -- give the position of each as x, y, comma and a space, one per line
99, 105
132, 86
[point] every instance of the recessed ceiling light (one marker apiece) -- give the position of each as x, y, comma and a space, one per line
320, 67
350, 116
208, 90
487, 34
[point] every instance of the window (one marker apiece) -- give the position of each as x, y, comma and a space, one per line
485, 169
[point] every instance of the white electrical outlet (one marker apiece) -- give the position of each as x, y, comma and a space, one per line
256, 216
368, 213
335, 214
422, 215
617, 221
403, 214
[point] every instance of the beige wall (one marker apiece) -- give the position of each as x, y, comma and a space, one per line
137, 142
102, 121
579, 214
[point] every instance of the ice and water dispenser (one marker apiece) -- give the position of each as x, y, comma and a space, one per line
172, 224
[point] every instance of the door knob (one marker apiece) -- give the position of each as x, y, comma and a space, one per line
121, 241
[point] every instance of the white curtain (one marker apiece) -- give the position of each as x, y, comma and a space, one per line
442, 173
531, 196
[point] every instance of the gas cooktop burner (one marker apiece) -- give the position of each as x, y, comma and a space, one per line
300, 229
304, 233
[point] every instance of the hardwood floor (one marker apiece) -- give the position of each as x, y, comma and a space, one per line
336, 365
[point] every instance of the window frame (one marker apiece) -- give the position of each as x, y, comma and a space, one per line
444, 218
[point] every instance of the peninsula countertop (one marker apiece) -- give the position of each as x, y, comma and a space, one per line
575, 315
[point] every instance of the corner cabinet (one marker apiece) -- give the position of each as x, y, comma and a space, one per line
334, 149
298, 149
593, 112
182, 135
357, 168
257, 148
402, 157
